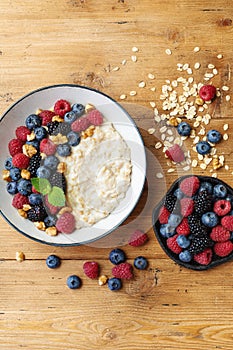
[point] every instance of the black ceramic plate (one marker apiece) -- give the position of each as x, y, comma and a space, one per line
216, 260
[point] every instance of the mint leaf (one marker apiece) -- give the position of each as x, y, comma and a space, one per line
41, 185
57, 197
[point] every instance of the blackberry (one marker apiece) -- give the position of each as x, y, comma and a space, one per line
34, 164
170, 201
59, 180
194, 224
63, 128
199, 243
52, 126
203, 202
37, 213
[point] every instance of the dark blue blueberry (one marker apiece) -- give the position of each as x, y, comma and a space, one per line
70, 117
35, 199
34, 143
184, 129
206, 186
174, 220
167, 230
8, 163
50, 221
220, 191
140, 263
185, 256
203, 147
209, 219
79, 109
183, 241
117, 256
73, 282
15, 174
51, 162
33, 121
12, 187
53, 261
214, 136
114, 284
40, 133
43, 172
64, 149
24, 187
178, 193
73, 138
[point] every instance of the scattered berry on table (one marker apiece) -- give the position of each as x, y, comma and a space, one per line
33, 121
95, 117
175, 153
70, 117
50, 220
66, 223
40, 133
214, 136
15, 146
91, 269
35, 199
117, 256
190, 185
51, 162
227, 222
207, 92
43, 172
140, 262
8, 163
47, 147
220, 234
20, 161
46, 116
79, 109
209, 219
185, 256
203, 147
64, 149
184, 129
37, 213
183, 241
12, 187
24, 187
222, 207
15, 174
61, 107
59, 180
74, 282
123, 270
19, 200
22, 132
80, 124
73, 138
53, 261
204, 257
223, 249
220, 191
114, 284
138, 238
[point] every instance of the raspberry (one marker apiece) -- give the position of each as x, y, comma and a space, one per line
46, 116
205, 257
15, 146
207, 92
91, 269
95, 117
47, 147
223, 248
183, 228
21, 133
20, 161
138, 238
190, 185
173, 245
187, 206
80, 124
61, 107
52, 209
175, 153
220, 234
66, 223
123, 270
222, 207
227, 222
19, 200
164, 215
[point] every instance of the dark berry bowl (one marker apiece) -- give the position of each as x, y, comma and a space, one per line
194, 222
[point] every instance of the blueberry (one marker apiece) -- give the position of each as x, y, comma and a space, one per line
8, 163
50, 221
43, 172
35, 199
174, 220
183, 241
140, 263
73, 138
185, 256
35, 143
220, 191
24, 187
70, 117
12, 187
184, 129
73, 282
203, 147
53, 261
117, 256
229, 198
40, 133
33, 121
209, 219
15, 174
206, 186
167, 230
114, 284
79, 109
51, 162
178, 193
64, 149
214, 136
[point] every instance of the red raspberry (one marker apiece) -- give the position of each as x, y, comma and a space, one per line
95, 117
187, 206
205, 257
175, 153
173, 245
52, 209
123, 270
15, 146
20, 161
183, 228
207, 92
21, 133
227, 222
91, 269
66, 223
220, 234
190, 185
80, 124
164, 214
223, 248
19, 200
46, 116
61, 107
47, 147
222, 207
138, 238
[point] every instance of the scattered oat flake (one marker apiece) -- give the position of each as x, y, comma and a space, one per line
196, 49
171, 170
133, 93
134, 58
225, 88
228, 97
151, 131
142, 84
135, 49
225, 127
168, 52
197, 65
186, 168
20, 256
158, 145
227, 167
194, 163
123, 62
152, 104
214, 175
123, 97
151, 76
115, 69
211, 66
225, 137
215, 71
153, 89
159, 175
219, 56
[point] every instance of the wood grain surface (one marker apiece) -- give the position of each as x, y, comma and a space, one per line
81, 42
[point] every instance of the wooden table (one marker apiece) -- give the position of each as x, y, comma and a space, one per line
83, 42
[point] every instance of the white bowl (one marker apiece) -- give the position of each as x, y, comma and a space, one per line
44, 98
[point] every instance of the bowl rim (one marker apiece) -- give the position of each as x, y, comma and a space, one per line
4, 114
